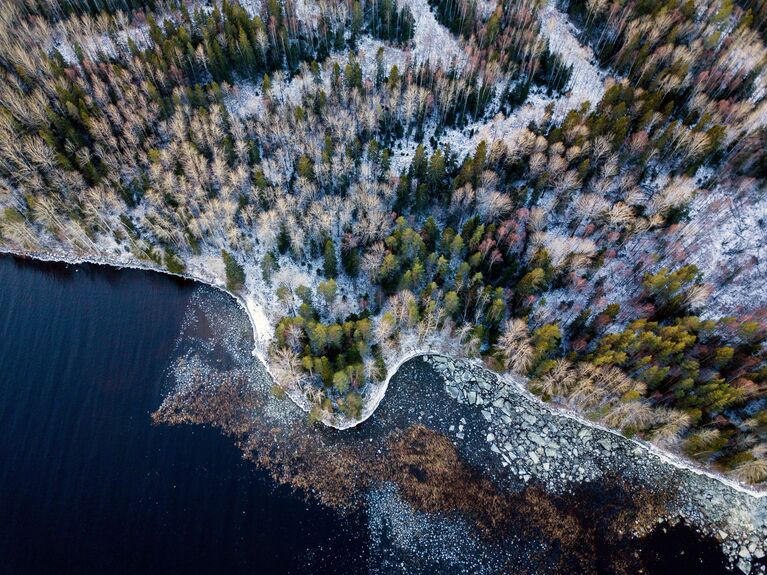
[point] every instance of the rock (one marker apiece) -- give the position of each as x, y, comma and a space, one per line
490, 438
531, 419
535, 438
486, 414
606, 443
534, 457
494, 448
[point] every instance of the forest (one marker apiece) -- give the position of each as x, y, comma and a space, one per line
311, 154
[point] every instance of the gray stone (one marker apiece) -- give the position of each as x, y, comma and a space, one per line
535, 438
531, 419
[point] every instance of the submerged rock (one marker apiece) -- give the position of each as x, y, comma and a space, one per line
561, 451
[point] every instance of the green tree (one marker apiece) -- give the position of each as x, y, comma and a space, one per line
268, 267
452, 303
667, 289
341, 382
531, 283
330, 263
327, 289
235, 275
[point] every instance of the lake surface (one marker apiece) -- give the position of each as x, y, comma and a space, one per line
89, 485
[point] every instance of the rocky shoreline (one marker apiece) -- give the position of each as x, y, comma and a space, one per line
534, 444
605, 512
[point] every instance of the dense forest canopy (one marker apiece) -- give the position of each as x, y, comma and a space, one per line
383, 201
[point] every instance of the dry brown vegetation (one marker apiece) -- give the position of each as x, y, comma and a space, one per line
227, 401
428, 471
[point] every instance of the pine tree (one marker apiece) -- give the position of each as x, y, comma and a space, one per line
330, 264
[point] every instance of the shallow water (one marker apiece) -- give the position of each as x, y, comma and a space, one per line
89, 485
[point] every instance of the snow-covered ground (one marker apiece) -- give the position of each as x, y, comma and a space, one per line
587, 84
433, 42
726, 237
94, 46
431, 39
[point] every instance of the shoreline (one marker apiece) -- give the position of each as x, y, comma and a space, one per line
533, 443
379, 392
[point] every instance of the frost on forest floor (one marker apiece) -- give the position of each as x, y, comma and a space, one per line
97, 45
726, 237
432, 41
587, 84
435, 44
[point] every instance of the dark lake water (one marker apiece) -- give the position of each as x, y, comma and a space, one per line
88, 485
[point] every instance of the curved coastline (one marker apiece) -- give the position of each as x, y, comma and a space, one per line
379, 391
